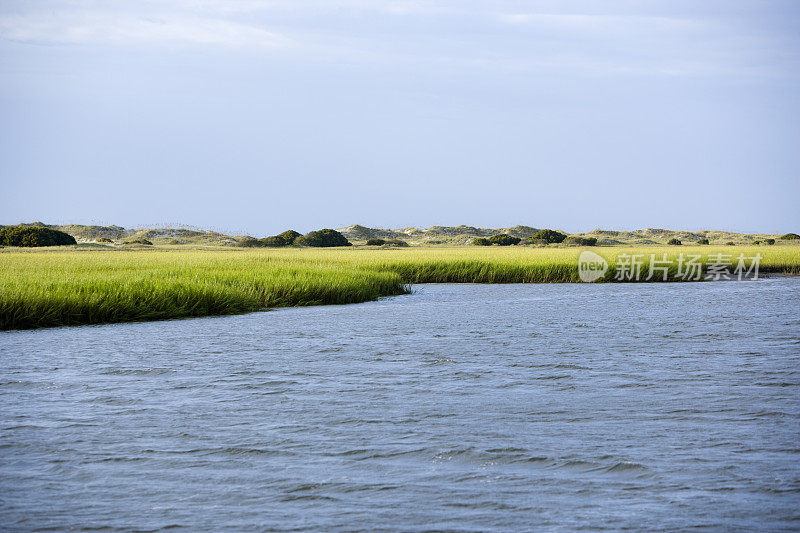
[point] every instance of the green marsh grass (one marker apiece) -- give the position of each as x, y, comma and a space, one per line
69, 286
56, 289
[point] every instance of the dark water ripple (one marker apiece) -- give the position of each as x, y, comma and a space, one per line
460, 407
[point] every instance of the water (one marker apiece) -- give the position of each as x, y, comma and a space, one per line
463, 407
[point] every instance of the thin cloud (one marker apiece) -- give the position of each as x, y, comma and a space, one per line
411, 33
615, 26
124, 30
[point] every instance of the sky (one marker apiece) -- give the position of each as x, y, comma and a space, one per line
251, 117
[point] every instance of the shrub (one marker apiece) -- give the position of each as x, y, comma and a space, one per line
790, 236
549, 236
481, 241
756, 243
250, 243
582, 241
537, 242
289, 236
324, 238
31, 236
503, 239
139, 241
674, 242
730, 243
104, 239
702, 241
386, 242
770, 241
276, 241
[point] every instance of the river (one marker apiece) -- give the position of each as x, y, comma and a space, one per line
458, 407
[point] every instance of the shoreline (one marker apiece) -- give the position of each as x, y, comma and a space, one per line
67, 287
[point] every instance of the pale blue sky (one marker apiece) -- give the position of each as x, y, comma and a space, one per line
253, 117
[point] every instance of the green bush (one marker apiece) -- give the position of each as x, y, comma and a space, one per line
549, 236
674, 242
104, 239
250, 243
537, 242
324, 238
582, 241
386, 242
790, 237
770, 241
481, 241
276, 241
730, 243
503, 239
702, 241
139, 241
289, 236
31, 236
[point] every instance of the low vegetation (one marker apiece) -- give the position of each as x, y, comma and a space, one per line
581, 241
674, 242
547, 236
34, 236
56, 289
324, 238
287, 238
386, 242
266, 242
275, 241
435, 235
69, 287
503, 239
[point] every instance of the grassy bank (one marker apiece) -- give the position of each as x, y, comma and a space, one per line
548, 265
71, 287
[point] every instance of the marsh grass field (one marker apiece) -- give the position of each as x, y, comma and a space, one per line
74, 286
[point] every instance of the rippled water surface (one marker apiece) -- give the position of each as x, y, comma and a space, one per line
464, 407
